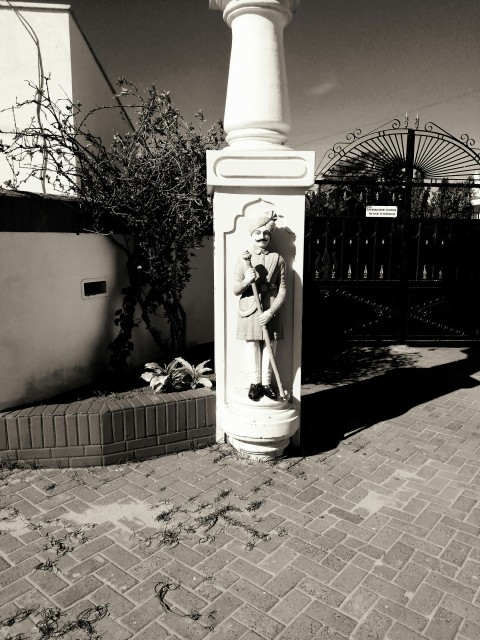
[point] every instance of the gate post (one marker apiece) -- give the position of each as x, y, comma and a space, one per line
257, 175
405, 228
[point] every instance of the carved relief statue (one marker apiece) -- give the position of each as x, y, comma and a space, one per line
260, 282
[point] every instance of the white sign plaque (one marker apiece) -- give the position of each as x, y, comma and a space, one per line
381, 212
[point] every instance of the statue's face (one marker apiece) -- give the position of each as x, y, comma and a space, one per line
261, 237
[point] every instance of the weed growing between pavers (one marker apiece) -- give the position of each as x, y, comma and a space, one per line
7, 468
60, 544
198, 519
161, 590
51, 623
207, 519
8, 514
202, 519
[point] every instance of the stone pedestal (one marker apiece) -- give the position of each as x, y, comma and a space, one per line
257, 172
260, 430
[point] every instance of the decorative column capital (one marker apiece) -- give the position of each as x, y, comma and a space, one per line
229, 6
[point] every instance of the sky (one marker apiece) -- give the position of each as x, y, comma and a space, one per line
351, 64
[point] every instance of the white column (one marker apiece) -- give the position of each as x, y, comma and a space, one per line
257, 110
255, 173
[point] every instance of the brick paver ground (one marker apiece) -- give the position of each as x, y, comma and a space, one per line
371, 531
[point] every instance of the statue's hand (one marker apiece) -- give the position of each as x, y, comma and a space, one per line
265, 317
251, 275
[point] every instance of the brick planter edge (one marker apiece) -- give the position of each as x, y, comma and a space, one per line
108, 431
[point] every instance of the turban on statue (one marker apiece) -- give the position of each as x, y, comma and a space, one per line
267, 218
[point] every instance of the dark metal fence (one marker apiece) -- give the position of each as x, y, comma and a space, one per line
412, 277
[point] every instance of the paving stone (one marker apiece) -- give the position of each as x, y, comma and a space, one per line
282, 583
9, 576
456, 553
81, 589
399, 632
469, 574
215, 562
398, 556
253, 595
313, 553
222, 607
319, 591
463, 609
116, 578
434, 564
343, 552
85, 568
401, 614
153, 632
369, 550
386, 537
303, 627
326, 633
120, 556
469, 630
450, 586
118, 605
274, 562
374, 626
48, 581
290, 606
385, 589
443, 626
249, 571
89, 549
230, 629
348, 579
359, 602
334, 563
425, 599
411, 576
331, 618
258, 620
224, 578
363, 562
142, 615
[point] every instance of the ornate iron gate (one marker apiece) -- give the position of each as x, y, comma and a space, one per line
411, 278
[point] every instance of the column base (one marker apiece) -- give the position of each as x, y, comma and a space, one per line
260, 430
256, 138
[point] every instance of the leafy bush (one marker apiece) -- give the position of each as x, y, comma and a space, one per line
146, 191
179, 375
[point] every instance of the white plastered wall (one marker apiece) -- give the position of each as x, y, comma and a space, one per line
91, 88
22, 60
52, 339
44, 39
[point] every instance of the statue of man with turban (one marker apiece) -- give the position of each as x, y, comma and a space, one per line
267, 269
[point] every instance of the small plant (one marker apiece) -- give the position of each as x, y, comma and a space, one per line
19, 616
162, 589
179, 375
254, 505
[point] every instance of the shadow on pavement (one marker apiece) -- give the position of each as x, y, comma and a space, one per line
331, 414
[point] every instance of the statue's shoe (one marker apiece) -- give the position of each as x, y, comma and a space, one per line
255, 392
269, 392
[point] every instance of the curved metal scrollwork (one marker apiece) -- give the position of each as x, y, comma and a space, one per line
437, 155
391, 124
467, 140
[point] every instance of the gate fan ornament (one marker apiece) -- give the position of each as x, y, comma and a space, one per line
438, 155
